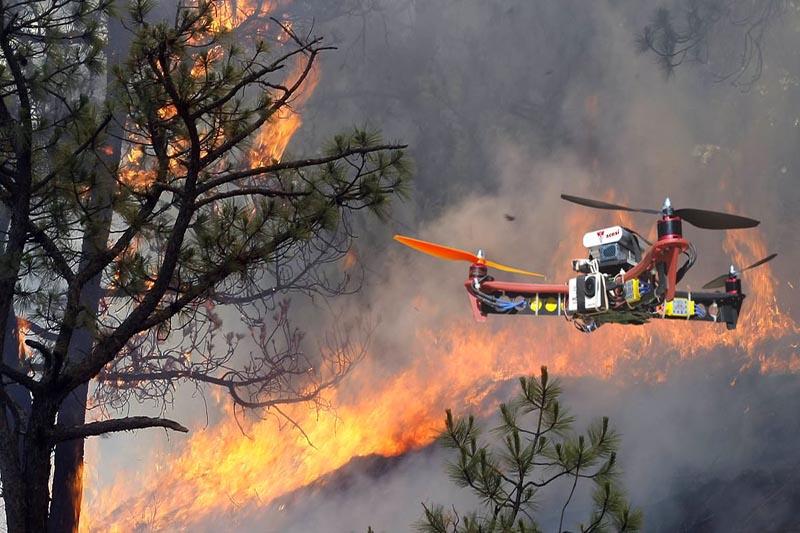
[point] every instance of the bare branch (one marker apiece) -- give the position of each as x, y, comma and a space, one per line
131, 423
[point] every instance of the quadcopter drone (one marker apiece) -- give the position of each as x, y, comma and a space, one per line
625, 280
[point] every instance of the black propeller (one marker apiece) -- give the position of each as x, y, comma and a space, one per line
597, 204
702, 218
720, 280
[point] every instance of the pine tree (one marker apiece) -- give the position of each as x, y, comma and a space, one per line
131, 210
535, 448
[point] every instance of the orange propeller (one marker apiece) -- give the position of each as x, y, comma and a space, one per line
454, 254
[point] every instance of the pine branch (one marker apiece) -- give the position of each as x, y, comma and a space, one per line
131, 423
296, 164
250, 191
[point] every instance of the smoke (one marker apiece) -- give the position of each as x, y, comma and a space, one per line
505, 105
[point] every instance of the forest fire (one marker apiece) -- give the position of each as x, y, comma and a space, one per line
199, 266
235, 467
228, 473
230, 14
272, 139
132, 172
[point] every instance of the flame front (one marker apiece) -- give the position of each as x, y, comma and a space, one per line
272, 139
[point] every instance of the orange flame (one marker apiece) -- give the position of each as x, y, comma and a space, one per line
229, 14
272, 139
132, 172
350, 259
202, 62
23, 328
167, 112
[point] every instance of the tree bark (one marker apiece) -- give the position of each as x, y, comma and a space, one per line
10, 454
36, 473
11, 356
65, 510
13, 486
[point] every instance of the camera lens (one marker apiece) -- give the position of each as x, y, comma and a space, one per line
589, 286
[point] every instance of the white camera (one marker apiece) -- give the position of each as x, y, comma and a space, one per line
587, 294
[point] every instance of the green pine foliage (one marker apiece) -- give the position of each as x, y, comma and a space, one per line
187, 213
533, 448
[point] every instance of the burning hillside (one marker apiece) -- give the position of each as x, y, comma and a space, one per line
230, 470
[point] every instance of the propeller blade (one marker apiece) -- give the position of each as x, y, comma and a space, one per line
597, 204
761, 262
715, 220
505, 268
701, 218
454, 254
437, 250
720, 280
717, 282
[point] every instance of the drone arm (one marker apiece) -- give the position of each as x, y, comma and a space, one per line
706, 306
527, 289
510, 298
671, 260
667, 252
475, 305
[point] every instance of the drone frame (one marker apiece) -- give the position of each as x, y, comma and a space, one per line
661, 258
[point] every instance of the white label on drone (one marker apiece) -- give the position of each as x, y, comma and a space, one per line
602, 236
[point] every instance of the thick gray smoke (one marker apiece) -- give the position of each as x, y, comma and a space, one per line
506, 104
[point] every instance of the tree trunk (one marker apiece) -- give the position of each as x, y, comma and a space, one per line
68, 475
36, 473
13, 489
11, 348
11, 454
65, 510
37, 495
